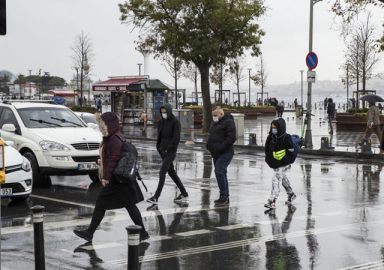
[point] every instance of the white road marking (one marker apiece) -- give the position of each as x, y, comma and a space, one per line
62, 201
101, 246
376, 264
191, 233
233, 227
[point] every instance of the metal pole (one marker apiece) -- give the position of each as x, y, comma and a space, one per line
140, 69
38, 230
249, 98
133, 246
308, 134
302, 89
30, 92
347, 86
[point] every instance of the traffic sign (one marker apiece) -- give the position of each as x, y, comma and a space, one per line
311, 76
311, 60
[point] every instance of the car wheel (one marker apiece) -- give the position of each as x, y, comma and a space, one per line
94, 177
19, 198
38, 178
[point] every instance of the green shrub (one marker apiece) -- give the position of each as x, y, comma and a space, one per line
263, 106
359, 110
360, 114
84, 108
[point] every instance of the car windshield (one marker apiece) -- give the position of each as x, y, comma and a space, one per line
49, 117
88, 118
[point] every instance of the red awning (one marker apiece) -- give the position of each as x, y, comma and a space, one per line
62, 93
115, 84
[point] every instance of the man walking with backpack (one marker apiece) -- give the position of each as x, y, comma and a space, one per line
168, 138
99, 104
222, 136
279, 152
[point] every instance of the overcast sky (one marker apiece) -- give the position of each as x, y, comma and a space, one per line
40, 33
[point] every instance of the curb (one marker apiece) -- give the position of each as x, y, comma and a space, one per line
302, 151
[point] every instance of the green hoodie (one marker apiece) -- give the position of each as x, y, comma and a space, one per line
168, 107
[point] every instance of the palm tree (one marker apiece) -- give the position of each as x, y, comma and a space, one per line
6, 79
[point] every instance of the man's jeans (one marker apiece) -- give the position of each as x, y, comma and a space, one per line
330, 123
167, 167
221, 163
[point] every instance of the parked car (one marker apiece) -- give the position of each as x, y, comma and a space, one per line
18, 175
89, 119
51, 137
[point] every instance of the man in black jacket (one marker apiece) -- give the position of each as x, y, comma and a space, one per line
168, 138
222, 136
331, 113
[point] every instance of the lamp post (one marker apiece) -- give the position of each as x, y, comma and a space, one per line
249, 98
139, 68
302, 89
30, 92
308, 134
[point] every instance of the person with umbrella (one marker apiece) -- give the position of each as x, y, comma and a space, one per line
373, 123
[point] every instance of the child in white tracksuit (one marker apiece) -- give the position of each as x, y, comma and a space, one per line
279, 150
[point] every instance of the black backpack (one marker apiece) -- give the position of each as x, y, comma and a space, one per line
99, 102
127, 169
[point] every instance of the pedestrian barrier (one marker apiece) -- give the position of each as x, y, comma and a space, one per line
38, 231
366, 146
133, 246
252, 138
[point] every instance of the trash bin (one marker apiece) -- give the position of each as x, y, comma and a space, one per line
239, 122
299, 111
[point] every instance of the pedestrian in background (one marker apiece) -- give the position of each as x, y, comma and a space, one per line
99, 104
279, 150
325, 103
331, 107
373, 123
113, 195
168, 138
222, 136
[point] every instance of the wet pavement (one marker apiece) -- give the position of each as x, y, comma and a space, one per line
341, 141
336, 221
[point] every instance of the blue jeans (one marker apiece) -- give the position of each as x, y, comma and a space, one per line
330, 123
221, 164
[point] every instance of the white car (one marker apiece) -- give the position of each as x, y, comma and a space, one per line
89, 118
51, 137
18, 175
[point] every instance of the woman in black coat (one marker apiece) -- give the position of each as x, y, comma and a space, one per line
113, 195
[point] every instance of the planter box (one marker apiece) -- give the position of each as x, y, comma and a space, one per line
198, 120
266, 111
350, 122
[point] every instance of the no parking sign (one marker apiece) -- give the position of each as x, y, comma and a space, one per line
311, 60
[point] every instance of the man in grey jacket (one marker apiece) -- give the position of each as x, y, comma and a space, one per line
373, 123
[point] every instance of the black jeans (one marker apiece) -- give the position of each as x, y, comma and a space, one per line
167, 167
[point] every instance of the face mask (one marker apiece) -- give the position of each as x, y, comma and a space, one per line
164, 115
215, 119
274, 131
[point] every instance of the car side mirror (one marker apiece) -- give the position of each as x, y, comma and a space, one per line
10, 143
91, 125
9, 127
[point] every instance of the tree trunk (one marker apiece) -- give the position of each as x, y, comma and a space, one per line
238, 94
81, 87
207, 106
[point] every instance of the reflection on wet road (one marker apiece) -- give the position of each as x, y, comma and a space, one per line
335, 223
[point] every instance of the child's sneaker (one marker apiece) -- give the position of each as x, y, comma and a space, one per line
270, 204
291, 198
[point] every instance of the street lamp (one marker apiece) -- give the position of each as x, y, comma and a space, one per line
302, 89
139, 64
308, 134
30, 92
249, 98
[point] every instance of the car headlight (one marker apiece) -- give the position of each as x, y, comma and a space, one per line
26, 165
48, 145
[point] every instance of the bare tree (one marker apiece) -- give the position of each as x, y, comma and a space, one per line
362, 55
261, 76
20, 81
218, 75
82, 57
192, 73
236, 70
174, 67
6, 79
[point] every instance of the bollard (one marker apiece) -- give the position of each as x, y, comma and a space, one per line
192, 128
133, 246
252, 138
324, 143
38, 230
366, 146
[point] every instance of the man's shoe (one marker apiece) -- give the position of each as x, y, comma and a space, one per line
270, 204
222, 201
270, 212
144, 236
291, 198
153, 207
84, 234
153, 200
181, 197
